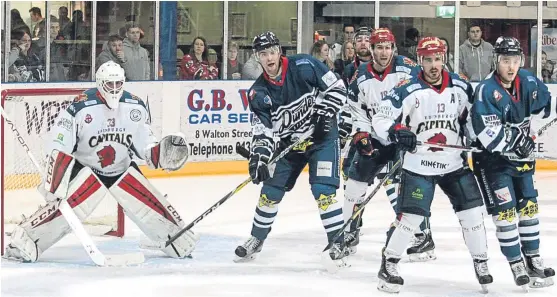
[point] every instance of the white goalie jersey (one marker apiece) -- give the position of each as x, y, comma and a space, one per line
436, 116
369, 88
100, 138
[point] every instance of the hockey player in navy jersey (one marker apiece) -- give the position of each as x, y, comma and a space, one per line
89, 155
363, 56
372, 83
432, 107
292, 95
504, 105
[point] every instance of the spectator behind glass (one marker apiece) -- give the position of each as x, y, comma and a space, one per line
57, 52
195, 65
63, 18
336, 51
213, 59
408, 46
79, 53
135, 59
234, 67
548, 69
39, 30
114, 51
76, 29
476, 55
24, 64
252, 69
449, 64
347, 56
320, 51
17, 22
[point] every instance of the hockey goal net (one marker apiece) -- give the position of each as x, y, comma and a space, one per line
33, 112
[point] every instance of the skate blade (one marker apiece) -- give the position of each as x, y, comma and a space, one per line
238, 259
422, 257
388, 288
525, 288
485, 289
352, 250
333, 266
538, 282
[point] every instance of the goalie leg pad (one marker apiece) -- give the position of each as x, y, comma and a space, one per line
152, 213
58, 173
47, 225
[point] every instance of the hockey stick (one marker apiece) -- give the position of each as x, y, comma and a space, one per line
275, 158
539, 133
72, 219
363, 205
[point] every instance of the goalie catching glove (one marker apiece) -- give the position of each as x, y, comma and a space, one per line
170, 154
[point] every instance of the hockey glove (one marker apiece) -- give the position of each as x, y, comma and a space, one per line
405, 138
520, 143
322, 120
362, 141
258, 167
344, 128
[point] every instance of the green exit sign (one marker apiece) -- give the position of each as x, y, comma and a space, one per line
445, 12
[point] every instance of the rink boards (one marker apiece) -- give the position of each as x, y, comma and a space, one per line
214, 116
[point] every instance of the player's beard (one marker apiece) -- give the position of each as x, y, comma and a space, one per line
435, 77
364, 53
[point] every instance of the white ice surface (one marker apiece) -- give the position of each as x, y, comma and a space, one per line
289, 264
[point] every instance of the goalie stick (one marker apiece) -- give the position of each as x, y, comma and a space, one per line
75, 224
275, 158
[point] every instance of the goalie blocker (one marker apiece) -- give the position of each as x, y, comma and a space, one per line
84, 190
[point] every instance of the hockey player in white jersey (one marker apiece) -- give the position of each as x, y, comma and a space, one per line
431, 107
89, 155
372, 83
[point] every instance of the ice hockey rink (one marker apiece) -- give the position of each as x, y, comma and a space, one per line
289, 264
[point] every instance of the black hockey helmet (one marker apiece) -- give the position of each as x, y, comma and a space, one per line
362, 31
265, 41
507, 46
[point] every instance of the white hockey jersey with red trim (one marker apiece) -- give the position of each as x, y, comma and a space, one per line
434, 115
102, 138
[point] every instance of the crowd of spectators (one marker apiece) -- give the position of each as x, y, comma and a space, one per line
70, 52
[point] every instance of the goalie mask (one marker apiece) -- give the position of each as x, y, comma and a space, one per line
110, 83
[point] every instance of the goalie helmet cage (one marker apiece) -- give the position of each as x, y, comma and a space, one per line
33, 112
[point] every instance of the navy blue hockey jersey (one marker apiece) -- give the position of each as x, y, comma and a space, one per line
495, 110
284, 107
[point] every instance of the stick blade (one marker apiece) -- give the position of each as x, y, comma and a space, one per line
124, 259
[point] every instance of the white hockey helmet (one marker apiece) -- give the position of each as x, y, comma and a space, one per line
110, 83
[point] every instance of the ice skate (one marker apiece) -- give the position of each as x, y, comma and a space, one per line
540, 276
249, 250
521, 278
389, 279
422, 249
334, 259
352, 240
482, 274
